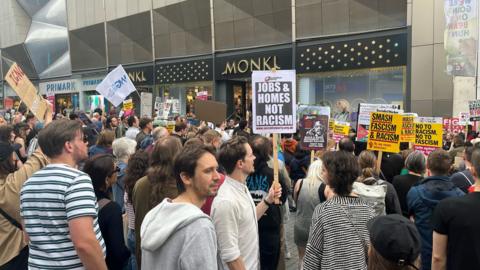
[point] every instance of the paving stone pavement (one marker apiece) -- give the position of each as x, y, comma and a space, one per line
292, 263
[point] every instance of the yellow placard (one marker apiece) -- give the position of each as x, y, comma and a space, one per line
408, 129
331, 125
384, 132
341, 129
24, 88
428, 134
127, 104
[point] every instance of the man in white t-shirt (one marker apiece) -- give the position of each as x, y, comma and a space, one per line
233, 211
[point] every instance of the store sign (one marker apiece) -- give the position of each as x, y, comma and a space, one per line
140, 75
58, 87
90, 83
242, 65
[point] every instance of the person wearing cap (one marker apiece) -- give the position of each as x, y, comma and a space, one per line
13, 245
456, 224
394, 243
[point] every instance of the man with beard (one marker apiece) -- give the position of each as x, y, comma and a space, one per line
176, 234
59, 207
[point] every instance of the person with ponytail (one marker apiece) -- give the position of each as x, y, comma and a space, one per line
380, 193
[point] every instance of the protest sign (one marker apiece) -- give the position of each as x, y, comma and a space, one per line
408, 128
146, 100
452, 125
463, 118
314, 132
202, 95
340, 130
210, 111
474, 108
384, 132
128, 104
364, 111
428, 134
116, 86
273, 101
24, 88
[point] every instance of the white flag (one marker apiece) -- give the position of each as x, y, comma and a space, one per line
116, 86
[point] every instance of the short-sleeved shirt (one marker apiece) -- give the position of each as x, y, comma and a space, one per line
235, 219
49, 200
458, 219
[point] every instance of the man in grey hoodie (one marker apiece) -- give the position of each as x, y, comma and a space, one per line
176, 234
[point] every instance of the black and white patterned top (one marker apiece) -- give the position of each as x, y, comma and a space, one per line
338, 236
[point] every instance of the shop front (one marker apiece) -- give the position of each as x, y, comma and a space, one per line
180, 82
64, 94
344, 72
90, 99
233, 71
142, 78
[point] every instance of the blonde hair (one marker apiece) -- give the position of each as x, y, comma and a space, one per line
314, 174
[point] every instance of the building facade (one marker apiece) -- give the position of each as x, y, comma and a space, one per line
374, 51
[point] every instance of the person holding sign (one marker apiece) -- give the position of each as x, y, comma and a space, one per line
233, 211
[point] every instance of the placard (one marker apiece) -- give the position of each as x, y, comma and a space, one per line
474, 108
314, 132
384, 132
24, 88
210, 111
408, 128
428, 134
274, 101
364, 111
463, 118
340, 130
128, 104
116, 86
146, 100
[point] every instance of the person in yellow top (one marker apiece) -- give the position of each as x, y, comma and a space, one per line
13, 245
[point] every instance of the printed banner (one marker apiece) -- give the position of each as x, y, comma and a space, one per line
384, 132
24, 88
364, 111
408, 128
340, 130
314, 132
474, 108
428, 134
461, 37
274, 101
116, 86
146, 100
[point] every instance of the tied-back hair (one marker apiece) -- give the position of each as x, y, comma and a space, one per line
136, 168
367, 162
378, 262
261, 147
160, 173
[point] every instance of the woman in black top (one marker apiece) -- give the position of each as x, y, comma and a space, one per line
103, 172
415, 163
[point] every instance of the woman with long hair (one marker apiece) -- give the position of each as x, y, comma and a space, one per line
159, 183
308, 193
104, 144
338, 235
103, 172
136, 169
380, 193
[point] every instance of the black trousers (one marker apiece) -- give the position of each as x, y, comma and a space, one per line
269, 249
20, 262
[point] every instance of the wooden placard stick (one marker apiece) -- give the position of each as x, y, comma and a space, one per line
312, 156
276, 184
379, 162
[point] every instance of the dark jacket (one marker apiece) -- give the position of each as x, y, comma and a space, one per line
96, 150
402, 184
422, 199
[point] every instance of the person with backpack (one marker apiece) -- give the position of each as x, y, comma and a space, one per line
377, 192
103, 172
464, 179
424, 197
307, 194
338, 236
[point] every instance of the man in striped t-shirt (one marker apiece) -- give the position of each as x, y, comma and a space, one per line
59, 207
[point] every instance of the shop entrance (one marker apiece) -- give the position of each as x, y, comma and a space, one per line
240, 101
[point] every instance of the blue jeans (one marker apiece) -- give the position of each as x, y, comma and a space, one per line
132, 262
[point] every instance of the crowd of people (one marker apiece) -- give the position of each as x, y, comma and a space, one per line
108, 192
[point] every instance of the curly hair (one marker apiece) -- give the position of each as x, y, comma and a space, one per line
342, 170
136, 168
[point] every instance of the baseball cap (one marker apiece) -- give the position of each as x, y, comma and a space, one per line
395, 238
6, 149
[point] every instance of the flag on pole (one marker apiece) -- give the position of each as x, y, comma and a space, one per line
116, 86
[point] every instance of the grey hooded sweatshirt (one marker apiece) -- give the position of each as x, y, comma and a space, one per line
178, 236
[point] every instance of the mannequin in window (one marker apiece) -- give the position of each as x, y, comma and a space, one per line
342, 108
